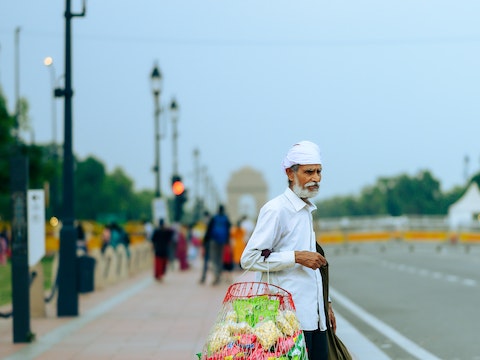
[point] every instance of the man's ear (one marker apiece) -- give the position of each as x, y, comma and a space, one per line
290, 174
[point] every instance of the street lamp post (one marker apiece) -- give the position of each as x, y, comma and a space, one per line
177, 184
198, 205
19, 259
48, 62
156, 82
174, 114
67, 303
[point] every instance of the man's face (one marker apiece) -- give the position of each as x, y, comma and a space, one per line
306, 180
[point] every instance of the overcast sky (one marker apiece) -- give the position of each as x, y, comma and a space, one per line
384, 87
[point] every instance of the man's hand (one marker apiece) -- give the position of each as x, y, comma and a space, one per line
331, 316
310, 259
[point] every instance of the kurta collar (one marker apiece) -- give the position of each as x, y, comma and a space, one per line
298, 203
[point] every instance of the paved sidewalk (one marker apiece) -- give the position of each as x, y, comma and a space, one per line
138, 319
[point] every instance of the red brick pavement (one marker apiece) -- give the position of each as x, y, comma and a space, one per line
137, 319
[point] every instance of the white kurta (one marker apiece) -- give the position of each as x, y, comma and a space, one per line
285, 225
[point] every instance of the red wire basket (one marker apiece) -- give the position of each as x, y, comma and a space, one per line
257, 321
246, 290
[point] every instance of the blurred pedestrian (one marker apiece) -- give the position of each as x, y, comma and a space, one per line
3, 247
181, 250
218, 234
81, 238
106, 237
118, 236
202, 227
115, 234
194, 242
238, 241
148, 229
162, 237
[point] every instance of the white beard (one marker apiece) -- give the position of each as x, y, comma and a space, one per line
304, 192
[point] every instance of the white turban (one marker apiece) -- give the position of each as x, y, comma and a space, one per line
302, 153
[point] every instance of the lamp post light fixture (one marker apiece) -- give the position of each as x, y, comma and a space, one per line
156, 83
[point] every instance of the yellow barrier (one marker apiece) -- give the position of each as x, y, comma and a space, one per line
52, 237
330, 238
339, 237
336, 237
93, 234
425, 235
470, 237
136, 232
369, 236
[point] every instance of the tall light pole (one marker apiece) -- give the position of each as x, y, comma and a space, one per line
156, 82
174, 114
19, 187
67, 303
178, 187
198, 203
48, 62
17, 84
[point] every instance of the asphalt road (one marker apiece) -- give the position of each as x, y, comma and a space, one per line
413, 300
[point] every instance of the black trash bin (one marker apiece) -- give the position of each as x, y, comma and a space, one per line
85, 274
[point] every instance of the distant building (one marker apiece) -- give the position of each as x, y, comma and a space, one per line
247, 193
466, 210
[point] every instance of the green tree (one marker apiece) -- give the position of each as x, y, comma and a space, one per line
6, 144
141, 207
338, 206
90, 178
24, 121
41, 167
96, 192
372, 200
118, 190
399, 195
106, 197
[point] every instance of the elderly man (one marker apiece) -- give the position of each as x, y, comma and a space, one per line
283, 243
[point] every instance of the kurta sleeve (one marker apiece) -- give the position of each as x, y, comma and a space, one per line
268, 229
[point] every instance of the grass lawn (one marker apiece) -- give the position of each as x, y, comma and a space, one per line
6, 279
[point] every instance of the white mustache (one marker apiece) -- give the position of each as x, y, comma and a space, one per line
312, 183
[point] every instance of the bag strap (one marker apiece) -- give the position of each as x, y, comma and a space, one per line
325, 281
265, 253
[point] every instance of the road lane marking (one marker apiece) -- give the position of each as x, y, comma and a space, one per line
405, 343
358, 344
427, 273
452, 278
469, 282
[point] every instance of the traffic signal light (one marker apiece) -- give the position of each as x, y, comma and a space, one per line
178, 189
